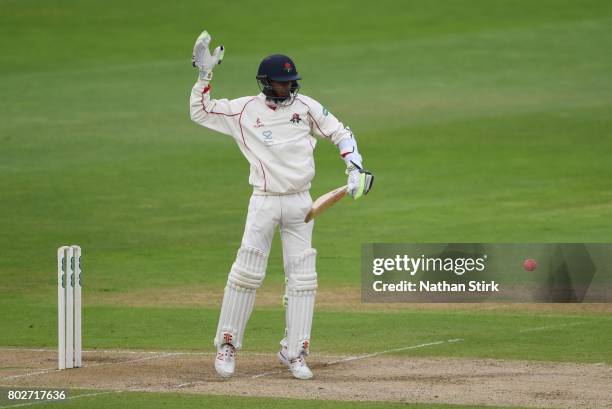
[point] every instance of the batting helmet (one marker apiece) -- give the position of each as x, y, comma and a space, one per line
278, 67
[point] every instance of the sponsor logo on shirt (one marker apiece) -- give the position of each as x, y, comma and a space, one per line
258, 124
267, 137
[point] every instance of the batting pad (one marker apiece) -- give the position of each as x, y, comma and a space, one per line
246, 276
249, 269
301, 291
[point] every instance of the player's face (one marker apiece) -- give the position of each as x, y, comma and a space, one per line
282, 88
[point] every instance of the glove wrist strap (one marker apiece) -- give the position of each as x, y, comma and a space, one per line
205, 75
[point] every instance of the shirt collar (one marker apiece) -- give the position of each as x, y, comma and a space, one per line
270, 104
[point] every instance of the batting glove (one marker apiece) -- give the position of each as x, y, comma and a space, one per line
202, 59
360, 181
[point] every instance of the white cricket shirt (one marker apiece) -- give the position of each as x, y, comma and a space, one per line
278, 143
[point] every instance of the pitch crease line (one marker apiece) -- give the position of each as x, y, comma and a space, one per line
554, 326
147, 358
358, 357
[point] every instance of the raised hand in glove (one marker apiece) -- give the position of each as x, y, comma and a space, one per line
202, 59
360, 181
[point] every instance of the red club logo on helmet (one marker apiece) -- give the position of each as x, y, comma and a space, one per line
288, 67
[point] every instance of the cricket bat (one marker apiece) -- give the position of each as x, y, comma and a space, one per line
325, 202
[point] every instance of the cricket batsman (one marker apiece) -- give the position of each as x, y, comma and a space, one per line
277, 132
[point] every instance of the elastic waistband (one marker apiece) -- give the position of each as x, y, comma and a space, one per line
257, 192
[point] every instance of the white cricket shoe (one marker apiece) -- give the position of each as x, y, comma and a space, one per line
225, 362
297, 366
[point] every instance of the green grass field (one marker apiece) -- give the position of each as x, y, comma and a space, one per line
148, 400
484, 121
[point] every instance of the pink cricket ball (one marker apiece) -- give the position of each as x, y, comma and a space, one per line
530, 264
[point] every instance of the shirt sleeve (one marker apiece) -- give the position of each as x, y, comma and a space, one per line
220, 115
323, 123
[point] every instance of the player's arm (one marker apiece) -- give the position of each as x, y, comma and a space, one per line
217, 115
327, 126
360, 180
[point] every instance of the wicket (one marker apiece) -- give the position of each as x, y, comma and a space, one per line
69, 306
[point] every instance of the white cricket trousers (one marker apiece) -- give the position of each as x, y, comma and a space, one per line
267, 213
287, 212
